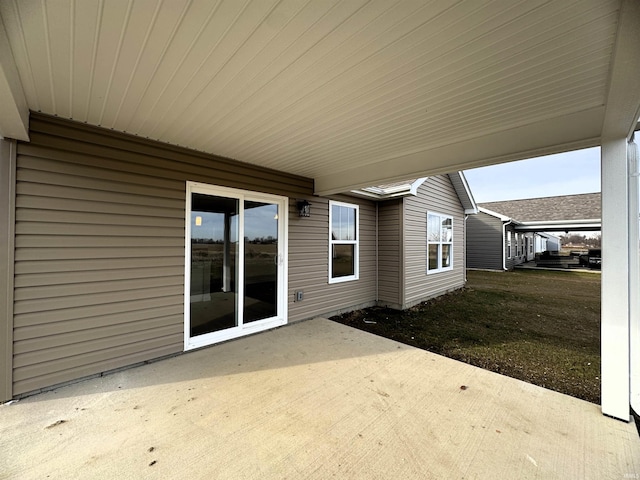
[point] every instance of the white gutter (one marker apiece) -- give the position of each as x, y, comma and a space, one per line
559, 225
380, 193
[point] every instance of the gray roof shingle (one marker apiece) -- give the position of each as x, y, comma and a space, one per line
585, 206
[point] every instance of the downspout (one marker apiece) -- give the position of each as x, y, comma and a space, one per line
504, 238
464, 257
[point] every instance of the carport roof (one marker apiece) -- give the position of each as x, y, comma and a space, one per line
559, 213
586, 206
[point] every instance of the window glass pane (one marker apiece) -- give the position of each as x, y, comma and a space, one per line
260, 261
446, 256
343, 261
433, 257
433, 228
350, 214
335, 222
447, 230
214, 263
343, 223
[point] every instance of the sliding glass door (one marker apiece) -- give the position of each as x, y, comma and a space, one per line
236, 264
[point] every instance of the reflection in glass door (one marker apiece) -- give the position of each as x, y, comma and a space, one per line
261, 260
236, 264
214, 252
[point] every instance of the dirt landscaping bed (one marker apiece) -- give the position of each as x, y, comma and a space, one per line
538, 326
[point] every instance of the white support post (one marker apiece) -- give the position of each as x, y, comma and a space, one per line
634, 275
615, 279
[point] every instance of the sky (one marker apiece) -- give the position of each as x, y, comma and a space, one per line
560, 174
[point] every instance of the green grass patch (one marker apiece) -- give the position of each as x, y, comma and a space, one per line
538, 326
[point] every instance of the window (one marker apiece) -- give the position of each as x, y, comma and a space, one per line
344, 224
439, 242
517, 244
508, 244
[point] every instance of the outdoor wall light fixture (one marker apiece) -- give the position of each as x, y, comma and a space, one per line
304, 208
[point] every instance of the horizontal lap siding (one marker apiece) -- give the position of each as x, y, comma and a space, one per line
390, 253
99, 258
437, 195
484, 242
309, 262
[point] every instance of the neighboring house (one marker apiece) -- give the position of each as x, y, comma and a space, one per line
509, 233
545, 242
493, 243
127, 249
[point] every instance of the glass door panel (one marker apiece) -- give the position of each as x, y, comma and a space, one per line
214, 264
236, 263
261, 261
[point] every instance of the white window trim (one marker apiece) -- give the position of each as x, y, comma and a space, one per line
356, 242
509, 251
440, 267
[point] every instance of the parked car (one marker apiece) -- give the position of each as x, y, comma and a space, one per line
595, 258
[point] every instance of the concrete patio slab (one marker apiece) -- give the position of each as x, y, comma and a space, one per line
311, 400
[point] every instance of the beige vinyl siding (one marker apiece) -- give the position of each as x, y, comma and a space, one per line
485, 243
437, 195
99, 247
309, 262
390, 253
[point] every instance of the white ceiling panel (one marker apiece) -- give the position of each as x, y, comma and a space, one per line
319, 87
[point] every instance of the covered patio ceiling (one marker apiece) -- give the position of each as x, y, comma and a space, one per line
350, 93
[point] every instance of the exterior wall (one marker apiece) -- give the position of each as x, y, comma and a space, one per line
553, 244
484, 241
522, 254
99, 249
436, 194
390, 253
309, 262
530, 253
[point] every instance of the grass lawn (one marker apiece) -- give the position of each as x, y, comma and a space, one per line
542, 327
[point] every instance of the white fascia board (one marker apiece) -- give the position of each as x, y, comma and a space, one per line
544, 137
493, 214
594, 224
559, 227
14, 120
473, 209
416, 185
623, 102
391, 192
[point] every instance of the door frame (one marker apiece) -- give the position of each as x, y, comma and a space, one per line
240, 330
